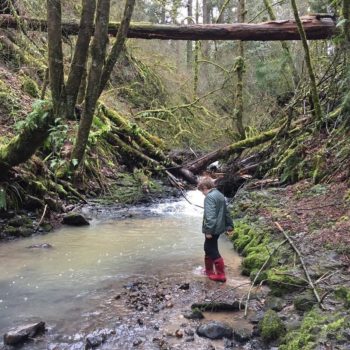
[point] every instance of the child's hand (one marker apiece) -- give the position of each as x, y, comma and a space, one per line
207, 235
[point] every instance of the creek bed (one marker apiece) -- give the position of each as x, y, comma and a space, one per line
66, 284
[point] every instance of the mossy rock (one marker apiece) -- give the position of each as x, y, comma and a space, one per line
271, 327
252, 274
343, 293
304, 301
318, 328
255, 261
30, 87
20, 221
241, 242
281, 282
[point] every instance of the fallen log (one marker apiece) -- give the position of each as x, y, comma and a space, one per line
24, 145
201, 163
316, 27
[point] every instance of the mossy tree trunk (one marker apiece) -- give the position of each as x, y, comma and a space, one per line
24, 145
81, 52
98, 53
239, 68
118, 45
54, 31
313, 86
285, 46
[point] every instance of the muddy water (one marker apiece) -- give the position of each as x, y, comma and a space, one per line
60, 285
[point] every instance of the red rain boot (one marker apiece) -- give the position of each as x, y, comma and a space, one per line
220, 271
209, 266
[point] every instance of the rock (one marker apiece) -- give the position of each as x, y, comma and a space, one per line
21, 334
274, 303
178, 333
189, 339
194, 314
7, 214
242, 335
19, 221
215, 330
33, 203
271, 327
75, 219
185, 286
137, 342
40, 246
189, 332
304, 301
94, 340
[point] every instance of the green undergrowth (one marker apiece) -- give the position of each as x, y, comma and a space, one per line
258, 244
317, 328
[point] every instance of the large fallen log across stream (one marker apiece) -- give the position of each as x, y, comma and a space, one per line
317, 27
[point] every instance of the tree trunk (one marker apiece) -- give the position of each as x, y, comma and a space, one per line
24, 145
98, 53
239, 68
189, 42
285, 46
316, 101
81, 54
317, 27
201, 163
54, 31
346, 15
118, 45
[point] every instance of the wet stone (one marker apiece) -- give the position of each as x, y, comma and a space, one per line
95, 339
215, 330
21, 334
137, 342
40, 246
193, 314
185, 286
75, 219
274, 303
242, 335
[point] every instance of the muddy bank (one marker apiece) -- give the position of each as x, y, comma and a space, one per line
125, 198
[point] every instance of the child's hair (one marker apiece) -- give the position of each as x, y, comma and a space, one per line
206, 182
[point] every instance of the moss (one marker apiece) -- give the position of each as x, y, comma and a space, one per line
254, 261
8, 101
271, 327
280, 281
343, 293
317, 328
304, 301
30, 87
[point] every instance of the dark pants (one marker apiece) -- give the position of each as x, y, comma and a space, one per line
211, 247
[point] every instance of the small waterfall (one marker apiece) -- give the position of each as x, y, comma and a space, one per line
190, 207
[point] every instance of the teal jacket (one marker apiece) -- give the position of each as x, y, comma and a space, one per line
216, 219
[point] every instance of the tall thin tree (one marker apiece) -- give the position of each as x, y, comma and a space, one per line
78, 65
313, 86
98, 54
239, 68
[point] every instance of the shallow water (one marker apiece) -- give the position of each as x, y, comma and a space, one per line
61, 284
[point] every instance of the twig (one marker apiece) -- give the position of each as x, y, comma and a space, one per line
42, 218
302, 263
258, 274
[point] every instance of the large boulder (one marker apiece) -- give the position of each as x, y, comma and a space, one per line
21, 334
75, 219
215, 330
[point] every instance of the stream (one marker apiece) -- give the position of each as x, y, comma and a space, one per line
70, 285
